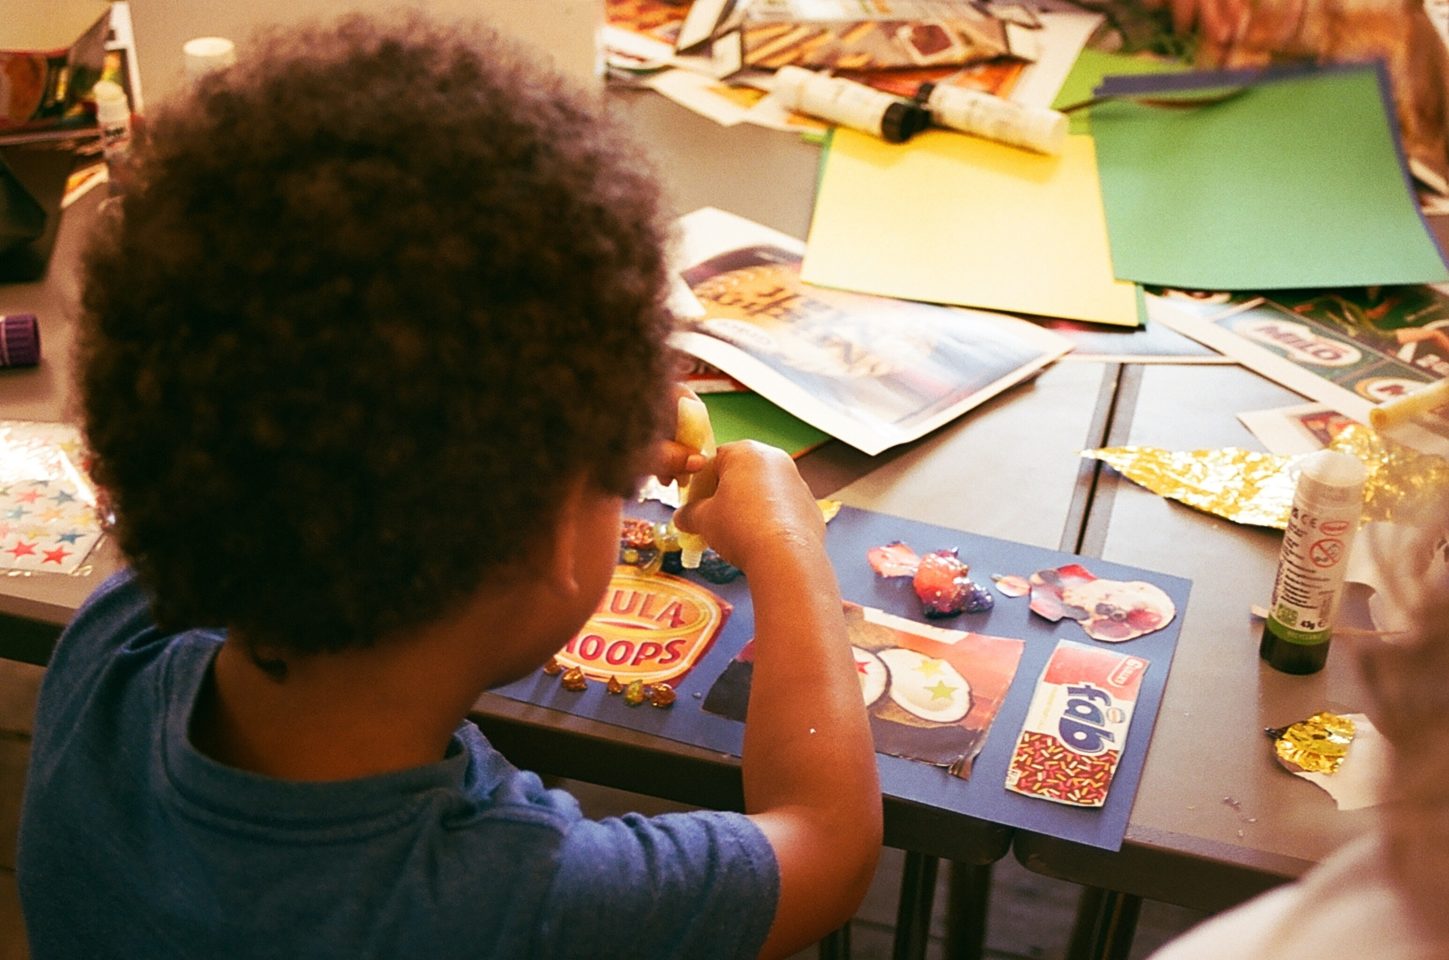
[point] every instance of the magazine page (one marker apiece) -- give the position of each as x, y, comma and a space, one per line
1350, 349
871, 371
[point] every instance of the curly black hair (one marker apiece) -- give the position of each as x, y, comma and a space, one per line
375, 296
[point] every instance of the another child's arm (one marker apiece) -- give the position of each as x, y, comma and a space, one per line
809, 766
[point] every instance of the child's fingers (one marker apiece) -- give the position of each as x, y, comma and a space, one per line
674, 461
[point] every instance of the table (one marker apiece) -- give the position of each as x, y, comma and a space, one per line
1008, 469
1215, 820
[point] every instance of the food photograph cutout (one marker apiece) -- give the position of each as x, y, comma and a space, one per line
1008, 682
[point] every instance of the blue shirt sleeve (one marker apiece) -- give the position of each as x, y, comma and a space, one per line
698, 885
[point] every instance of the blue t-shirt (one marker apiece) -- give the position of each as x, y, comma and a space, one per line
134, 844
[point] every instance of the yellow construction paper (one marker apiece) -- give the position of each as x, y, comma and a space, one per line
950, 218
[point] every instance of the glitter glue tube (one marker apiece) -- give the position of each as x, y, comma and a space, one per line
995, 118
19, 340
695, 432
1327, 505
849, 104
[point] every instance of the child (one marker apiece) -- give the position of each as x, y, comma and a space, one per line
1382, 895
372, 351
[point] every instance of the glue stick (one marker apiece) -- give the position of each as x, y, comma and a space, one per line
849, 104
995, 118
113, 114
1327, 505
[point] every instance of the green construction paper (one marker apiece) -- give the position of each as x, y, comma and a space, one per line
1297, 182
749, 416
1091, 67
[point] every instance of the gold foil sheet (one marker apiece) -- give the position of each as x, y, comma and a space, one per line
1255, 488
1241, 485
1401, 482
1316, 745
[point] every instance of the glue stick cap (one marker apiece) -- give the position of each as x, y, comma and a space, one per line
923, 92
205, 54
112, 107
19, 340
1331, 478
903, 120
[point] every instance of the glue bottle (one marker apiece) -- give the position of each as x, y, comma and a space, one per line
113, 115
995, 118
1327, 505
849, 104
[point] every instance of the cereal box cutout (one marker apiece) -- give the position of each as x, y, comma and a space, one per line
649, 627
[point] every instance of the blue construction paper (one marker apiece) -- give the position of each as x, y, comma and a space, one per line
984, 795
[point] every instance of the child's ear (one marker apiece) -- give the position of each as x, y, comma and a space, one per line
562, 542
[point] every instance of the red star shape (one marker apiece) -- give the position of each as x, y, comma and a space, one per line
30, 496
22, 548
56, 555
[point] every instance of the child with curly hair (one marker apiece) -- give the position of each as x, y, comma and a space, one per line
372, 350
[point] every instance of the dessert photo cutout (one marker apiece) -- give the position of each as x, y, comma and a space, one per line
931, 693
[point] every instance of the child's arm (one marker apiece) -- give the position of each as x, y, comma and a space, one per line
809, 765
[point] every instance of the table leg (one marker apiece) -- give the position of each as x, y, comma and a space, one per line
1106, 922
836, 944
968, 889
913, 915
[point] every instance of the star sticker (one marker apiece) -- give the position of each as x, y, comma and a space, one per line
49, 516
16, 513
65, 496
56, 555
21, 549
929, 668
29, 496
70, 537
941, 691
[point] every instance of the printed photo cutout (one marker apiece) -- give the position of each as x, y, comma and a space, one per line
931, 693
649, 629
941, 579
1109, 610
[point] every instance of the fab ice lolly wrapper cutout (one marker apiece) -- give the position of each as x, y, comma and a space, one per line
1076, 727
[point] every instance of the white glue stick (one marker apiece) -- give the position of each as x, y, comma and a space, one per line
1327, 506
693, 429
995, 118
849, 104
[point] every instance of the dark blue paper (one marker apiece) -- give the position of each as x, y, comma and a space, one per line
984, 795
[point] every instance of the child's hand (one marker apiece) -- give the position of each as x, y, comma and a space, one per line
760, 506
671, 461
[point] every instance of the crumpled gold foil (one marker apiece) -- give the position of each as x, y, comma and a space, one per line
1255, 488
1316, 745
1401, 482
1241, 485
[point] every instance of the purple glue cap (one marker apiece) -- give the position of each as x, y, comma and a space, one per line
19, 340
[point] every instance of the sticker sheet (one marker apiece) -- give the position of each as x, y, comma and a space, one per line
48, 520
948, 694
